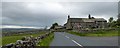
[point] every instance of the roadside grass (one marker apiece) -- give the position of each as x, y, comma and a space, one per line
34, 35
10, 39
97, 34
46, 41
14, 38
0, 41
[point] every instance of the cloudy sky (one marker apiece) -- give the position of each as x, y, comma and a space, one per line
41, 14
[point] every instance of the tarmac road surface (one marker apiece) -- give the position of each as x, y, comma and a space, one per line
66, 40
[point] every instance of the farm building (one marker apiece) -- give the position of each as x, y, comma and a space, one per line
85, 23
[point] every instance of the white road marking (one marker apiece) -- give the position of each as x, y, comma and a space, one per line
67, 37
72, 40
77, 43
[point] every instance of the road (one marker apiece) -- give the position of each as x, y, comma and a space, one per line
66, 39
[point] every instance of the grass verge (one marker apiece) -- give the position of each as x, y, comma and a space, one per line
46, 41
0, 41
97, 34
14, 38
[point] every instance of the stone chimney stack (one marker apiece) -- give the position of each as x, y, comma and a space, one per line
89, 16
68, 16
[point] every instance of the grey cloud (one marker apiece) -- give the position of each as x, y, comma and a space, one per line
60, 0
17, 13
97, 9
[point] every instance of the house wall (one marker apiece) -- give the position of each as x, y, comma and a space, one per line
101, 24
68, 24
85, 25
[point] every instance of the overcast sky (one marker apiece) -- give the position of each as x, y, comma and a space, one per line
60, 0
41, 14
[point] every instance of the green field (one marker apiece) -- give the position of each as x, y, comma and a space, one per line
14, 38
46, 41
97, 34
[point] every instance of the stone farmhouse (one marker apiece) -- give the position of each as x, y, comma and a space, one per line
85, 23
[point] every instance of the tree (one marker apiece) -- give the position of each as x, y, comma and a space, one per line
119, 16
118, 20
113, 24
53, 25
110, 19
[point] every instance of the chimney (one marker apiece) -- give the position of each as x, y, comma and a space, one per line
68, 16
89, 16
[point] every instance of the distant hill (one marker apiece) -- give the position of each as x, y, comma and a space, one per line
17, 29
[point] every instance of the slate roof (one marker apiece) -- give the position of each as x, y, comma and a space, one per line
59, 26
89, 20
85, 19
75, 20
100, 19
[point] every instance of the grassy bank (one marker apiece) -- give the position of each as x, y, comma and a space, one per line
14, 38
0, 41
46, 41
97, 34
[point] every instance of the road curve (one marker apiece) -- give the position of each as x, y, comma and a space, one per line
66, 39
61, 40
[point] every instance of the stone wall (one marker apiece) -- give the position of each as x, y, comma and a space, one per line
27, 42
94, 30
